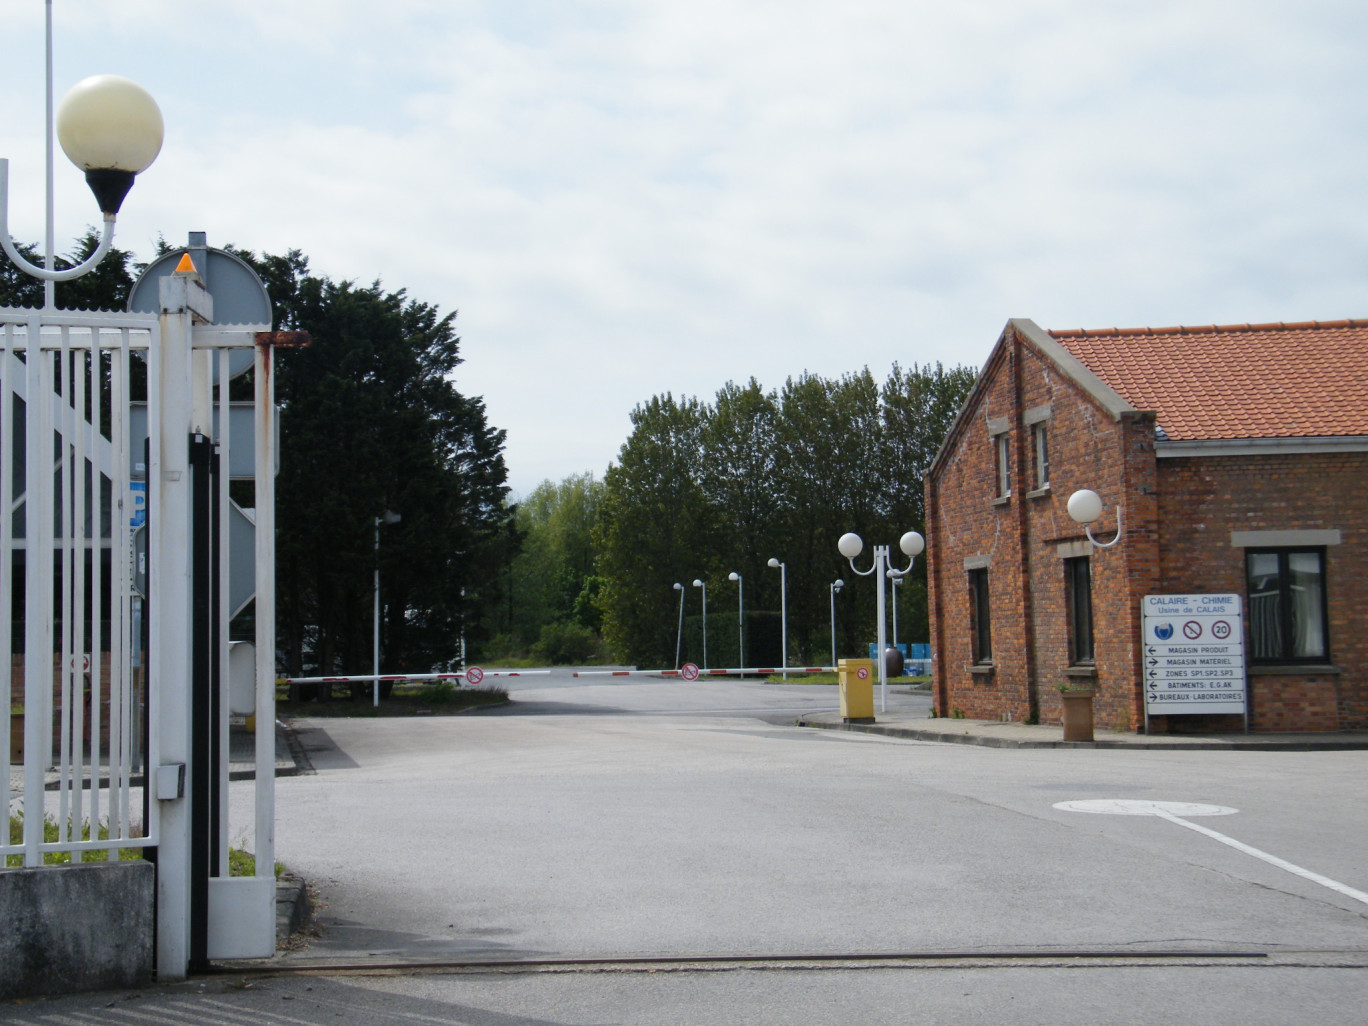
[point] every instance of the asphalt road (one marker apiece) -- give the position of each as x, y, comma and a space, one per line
630, 816
617, 818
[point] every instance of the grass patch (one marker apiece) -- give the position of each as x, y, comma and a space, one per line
831, 678
62, 858
243, 863
439, 698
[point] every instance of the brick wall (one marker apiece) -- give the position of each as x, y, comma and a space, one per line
1024, 540
1204, 499
17, 698
1178, 518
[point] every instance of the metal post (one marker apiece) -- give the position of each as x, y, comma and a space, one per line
740, 618
831, 591
264, 375
169, 653
699, 583
49, 234
880, 571
679, 634
375, 622
897, 583
783, 616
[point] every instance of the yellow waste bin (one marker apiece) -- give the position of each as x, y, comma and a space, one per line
856, 677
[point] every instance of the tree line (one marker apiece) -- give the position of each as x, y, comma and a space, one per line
371, 421
702, 490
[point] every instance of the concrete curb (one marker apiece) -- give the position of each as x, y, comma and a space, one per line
1131, 743
292, 906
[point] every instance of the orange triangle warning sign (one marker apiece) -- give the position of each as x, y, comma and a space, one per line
186, 265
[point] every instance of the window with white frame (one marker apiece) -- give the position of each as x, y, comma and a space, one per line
1040, 449
1002, 452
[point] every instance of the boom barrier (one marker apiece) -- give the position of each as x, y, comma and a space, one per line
752, 671
474, 673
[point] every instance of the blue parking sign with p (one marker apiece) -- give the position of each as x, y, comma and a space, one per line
137, 491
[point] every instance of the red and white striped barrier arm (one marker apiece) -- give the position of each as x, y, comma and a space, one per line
367, 678
751, 671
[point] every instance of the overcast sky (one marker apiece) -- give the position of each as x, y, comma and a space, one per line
628, 197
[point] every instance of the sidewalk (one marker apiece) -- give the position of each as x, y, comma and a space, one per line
993, 734
289, 760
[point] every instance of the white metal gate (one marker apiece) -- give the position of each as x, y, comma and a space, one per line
117, 561
78, 674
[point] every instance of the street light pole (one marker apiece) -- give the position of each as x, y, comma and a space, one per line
112, 130
740, 618
700, 584
834, 588
679, 635
896, 583
850, 546
386, 518
783, 611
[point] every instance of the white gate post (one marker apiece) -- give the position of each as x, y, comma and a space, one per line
183, 301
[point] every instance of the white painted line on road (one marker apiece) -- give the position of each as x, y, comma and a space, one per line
1139, 807
1173, 811
1272, 860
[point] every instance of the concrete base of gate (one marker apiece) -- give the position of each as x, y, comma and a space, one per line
76, 928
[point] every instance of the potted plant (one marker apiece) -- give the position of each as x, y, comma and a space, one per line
1078, 711
16, 734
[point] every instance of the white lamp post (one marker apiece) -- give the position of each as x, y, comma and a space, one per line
1085, 506
112, 130
740, 618
385, 518
834, 588
850, 546
699, 584
679, 634
783, 612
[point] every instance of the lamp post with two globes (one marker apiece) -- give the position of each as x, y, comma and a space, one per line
850, 546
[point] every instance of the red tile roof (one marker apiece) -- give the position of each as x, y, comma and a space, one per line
1237, 381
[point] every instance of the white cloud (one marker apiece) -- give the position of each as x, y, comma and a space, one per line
624, 198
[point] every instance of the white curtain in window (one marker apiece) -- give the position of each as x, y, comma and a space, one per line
1308, 616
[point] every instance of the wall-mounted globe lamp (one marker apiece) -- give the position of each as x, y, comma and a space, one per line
1085, 506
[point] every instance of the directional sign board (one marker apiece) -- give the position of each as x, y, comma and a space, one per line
1193, 654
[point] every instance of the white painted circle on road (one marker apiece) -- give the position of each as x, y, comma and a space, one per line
1138, 807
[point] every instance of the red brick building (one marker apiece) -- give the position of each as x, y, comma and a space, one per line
1239, 458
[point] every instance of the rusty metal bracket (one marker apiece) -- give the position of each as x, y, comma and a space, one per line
284, 339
